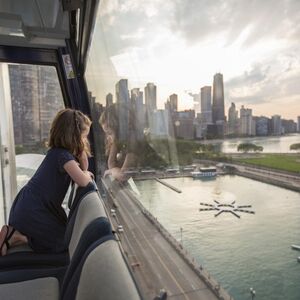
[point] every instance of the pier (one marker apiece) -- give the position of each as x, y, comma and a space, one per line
168, 185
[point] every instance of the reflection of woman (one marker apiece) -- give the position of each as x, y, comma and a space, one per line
120, 144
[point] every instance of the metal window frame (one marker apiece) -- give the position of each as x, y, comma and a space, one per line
74, 90
36, 56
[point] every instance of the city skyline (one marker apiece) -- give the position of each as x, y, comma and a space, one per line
181, 45
208, 121
113, 98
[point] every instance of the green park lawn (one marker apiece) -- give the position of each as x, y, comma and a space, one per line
284, 162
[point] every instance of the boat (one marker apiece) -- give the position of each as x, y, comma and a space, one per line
205, 172
295, 247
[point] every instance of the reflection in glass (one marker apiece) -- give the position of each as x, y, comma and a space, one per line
36, 98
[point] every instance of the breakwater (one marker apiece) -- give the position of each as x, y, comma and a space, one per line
271, 178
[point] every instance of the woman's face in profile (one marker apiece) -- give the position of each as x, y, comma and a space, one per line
85, 133
108, 131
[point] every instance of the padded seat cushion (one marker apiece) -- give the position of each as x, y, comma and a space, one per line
38, 289
20, 260
102, 274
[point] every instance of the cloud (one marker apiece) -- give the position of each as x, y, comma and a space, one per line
181, 43
137, 22
254, 76
198, 20
270, 81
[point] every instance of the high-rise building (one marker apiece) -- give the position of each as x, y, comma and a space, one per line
122, 99
197, 102
122, 94
276, 125
184, 124
232, 120
150, 97
139, 111
288, 126
247, 123
206, 109
160, 125
218, 99
36, 98
262, 126
173, 99
109, 99
298, 123
136, 98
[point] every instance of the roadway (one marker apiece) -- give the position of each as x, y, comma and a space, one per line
154, 261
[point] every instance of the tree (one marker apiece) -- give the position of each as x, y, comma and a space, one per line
246, 147
295, 146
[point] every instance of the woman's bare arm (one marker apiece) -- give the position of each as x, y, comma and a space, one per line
120, 173
112, 156
129, 162
83, 161
82, 178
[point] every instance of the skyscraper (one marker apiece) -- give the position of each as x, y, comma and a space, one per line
109, 99
122, 94
232, 120
150, 97
218, 99
36, 98
160, 127
247, 123
262, 126
206, 110
122, 98
150, 103
173, 102
276, 125
197, 102
139, 111
298, 123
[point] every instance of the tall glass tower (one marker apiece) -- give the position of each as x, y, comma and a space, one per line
206, 110
123, 106
150, 97
150, 103
218, 99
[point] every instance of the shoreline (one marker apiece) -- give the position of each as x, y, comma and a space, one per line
212, 141
269, 176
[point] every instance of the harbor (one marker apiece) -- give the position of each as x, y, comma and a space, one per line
283, 179
239, 241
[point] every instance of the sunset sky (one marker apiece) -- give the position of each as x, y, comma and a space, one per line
180, 44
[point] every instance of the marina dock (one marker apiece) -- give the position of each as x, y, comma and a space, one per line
168, 185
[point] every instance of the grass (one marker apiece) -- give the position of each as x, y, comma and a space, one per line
284, 162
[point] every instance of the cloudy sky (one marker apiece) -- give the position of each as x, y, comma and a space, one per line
180, 44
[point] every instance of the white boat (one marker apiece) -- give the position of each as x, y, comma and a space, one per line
295, 247
207, 172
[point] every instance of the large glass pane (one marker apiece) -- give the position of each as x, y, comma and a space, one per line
36, 97
194, 90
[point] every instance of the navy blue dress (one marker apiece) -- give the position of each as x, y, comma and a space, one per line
37, 212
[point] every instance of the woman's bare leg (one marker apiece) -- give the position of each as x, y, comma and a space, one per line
15, 240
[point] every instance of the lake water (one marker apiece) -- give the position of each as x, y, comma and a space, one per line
271, 144
253, 251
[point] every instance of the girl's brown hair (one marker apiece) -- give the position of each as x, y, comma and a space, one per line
66, 131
